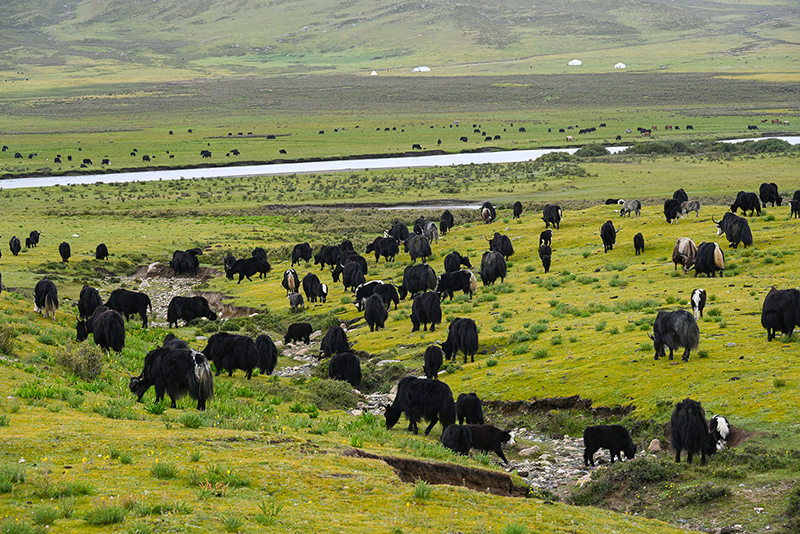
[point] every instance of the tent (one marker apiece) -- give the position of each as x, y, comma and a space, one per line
421, 69
619, 65
373, 73
575, 62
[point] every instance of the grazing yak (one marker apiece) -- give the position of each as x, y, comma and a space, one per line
328, 255
457, 281
417, 279
334, 342
290, 282
746, 202
488, 213
383, 246
684, 253
552, 214
426, 308
454, 261
638, 243
420, 398
301, 251
493, 266
446, 222
185, 261
490, 438
88, 301
517, 209
33, 239
794, 206
365, 291
457, 438
672, 209
352, 275
399, 231
129, 303
709, 260
433, 359
769, 193
175, 371
14, 245
45, 298
248, 267
698, 300
469, 408
718, 430
502, 244
736, 230
546, 237
680, 195
780, 311
673, 330
431, 233
296, 301
314, 289
107, 328
298, 332
630, 206
188, 309
609, 236
346, 367
101, 252
690, 205
233, 351
417, 247
462, 336
375, 313
545, 253
689, 431
65, 251
419, 225
615, 438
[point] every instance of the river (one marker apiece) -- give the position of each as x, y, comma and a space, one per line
446, 160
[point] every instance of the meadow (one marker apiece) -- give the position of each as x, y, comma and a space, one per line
268, 453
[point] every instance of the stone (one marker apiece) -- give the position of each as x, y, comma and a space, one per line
655, 446
530, 451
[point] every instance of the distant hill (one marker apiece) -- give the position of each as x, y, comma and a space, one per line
180, 39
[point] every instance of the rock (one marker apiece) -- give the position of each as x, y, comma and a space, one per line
530, 451
655, 446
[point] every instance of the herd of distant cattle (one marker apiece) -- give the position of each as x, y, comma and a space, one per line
177, 370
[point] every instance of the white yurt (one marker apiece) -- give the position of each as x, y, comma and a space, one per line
421, 69
373, 73
575, 62
620, 65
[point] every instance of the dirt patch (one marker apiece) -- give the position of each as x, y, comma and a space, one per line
410, 470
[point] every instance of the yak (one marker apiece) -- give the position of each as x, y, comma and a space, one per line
188, 309
175, 372
462, 336
65, 251
433, 359
551, 214
689, 431
736, 230
233, 351
746, 202
334, 342
502, 244
301, 251
88, 300
345, 366
446, 222
101, 252
469, 408
630, 206
464, 281
672, 209
416, 279
128, 303
291, 282
638, 243
709, 260
517, 209
375, 313
493, 266
45, 298
684, 253
609, 236
426, 308
615, 438
107, 328
420, 398
454, 261
675, 329
780, 312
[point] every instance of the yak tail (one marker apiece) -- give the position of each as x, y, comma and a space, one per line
719, 258
204, 380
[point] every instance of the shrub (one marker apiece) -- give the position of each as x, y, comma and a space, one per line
11, 474
15, 526
269, 509
105, 514
191, 420
8, 338
164, 470
422, 490
702, 494
332, 394
83, 359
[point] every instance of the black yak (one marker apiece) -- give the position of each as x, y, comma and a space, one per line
545, 254
490, 438
736, 230
175, 372
128, 303
188, 309
345, 366
375, 313
673, 330
417, 279
615, 438
64, 251
101, 252
493, 266
334, 342
314, 289
609, 236
290, 282
517, 209
88, 300
454, 261
638, 243
426, 308
420, 398
780, 311
551, 214
462, 336
689, 431
298, 332
433, 358
233, 351
450, 282
107, 328
469, 408
45, 298
502, 244
457, 438
301, 251
709, 260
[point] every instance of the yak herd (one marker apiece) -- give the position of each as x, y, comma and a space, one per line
177, 370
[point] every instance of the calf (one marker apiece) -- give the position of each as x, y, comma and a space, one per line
334, 342
690, 205
469, 408
545, 254
130, 302
345, 366
298, 332
615, 438
296, 302
630, 206
638, 243
420, 398
433, 361
698, 300
425, 309
454, 261
689, 431
175, 372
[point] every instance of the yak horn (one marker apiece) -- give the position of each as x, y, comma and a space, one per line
715, 222
650, 336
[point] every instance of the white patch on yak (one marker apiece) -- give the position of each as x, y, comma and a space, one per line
723, 429
697, 295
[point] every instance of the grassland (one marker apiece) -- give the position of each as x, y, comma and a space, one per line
269, 450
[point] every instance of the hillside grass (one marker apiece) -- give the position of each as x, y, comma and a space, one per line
580, 330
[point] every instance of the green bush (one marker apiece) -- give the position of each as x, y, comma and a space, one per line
83, 359
8, 338
333, 394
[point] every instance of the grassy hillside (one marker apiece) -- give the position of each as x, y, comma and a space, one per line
85, 41
269, 452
